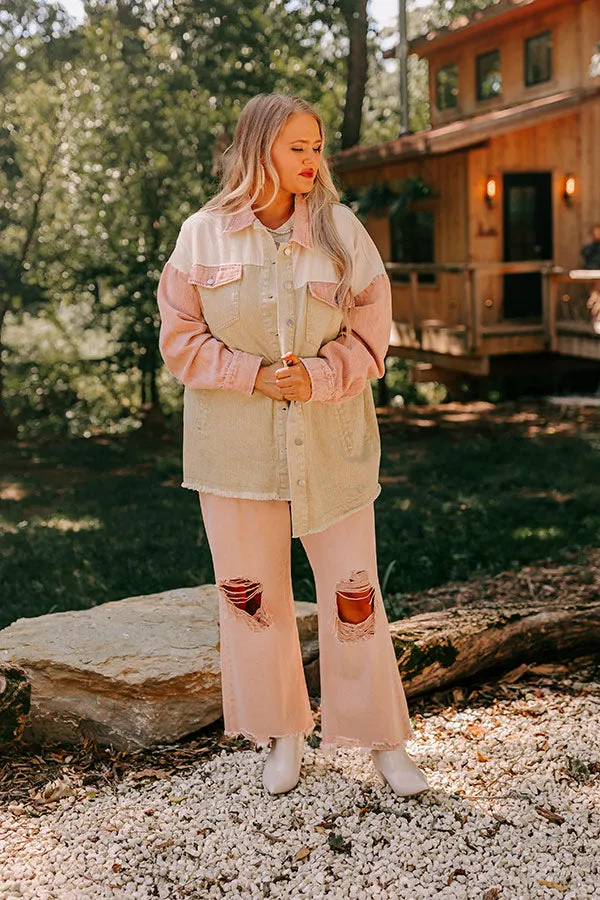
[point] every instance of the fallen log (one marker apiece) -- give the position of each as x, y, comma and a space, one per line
438, 649
536, 614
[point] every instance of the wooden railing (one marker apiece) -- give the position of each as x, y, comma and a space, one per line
567, 299
575, 306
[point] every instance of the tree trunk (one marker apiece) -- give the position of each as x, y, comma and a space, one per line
152, 367
355, 14
438, 649
480, 629
383, 391
153, 422
8, 428
143, 390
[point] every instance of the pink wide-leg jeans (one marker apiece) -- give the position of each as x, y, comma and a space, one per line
263, 685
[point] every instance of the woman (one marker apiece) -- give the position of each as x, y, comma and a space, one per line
275, 314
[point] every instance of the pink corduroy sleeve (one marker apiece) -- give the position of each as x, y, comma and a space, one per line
343, 366
190, 352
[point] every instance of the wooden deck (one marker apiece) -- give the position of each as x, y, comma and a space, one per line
463, 340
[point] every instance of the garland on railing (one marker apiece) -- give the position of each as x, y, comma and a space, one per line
384, 199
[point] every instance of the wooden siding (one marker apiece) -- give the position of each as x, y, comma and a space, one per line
575, 29
467, 230
447, 176
430, 320
554, 147
589, 196
589, 36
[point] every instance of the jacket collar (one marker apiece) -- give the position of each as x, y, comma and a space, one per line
301, 232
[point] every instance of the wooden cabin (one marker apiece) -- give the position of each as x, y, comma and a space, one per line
484, 262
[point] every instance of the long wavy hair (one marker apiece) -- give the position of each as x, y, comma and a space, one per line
243, 177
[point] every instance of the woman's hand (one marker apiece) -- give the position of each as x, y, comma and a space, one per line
266, 383
293, 380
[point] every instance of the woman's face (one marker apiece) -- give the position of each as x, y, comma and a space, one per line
296, 153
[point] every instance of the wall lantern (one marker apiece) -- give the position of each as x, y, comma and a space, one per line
569, 189
491, 190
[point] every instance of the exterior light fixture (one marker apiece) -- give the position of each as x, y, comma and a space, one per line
569, 189
491, 190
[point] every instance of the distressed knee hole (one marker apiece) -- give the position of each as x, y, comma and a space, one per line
355, 607
243, 599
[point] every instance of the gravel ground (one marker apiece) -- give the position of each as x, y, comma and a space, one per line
514, 813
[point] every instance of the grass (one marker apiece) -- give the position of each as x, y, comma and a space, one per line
468, 491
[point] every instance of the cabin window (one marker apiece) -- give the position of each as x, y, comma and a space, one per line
412, 241
538, 59
446, 82
489, 75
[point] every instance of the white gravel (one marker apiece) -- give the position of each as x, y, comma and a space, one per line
514, 814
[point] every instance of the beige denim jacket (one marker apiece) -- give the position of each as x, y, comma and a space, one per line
230, 301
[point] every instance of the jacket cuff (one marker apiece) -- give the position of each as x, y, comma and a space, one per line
242, 372
321, 378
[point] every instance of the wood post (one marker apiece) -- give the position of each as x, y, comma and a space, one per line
465, 304
549, 298
415, 319
475, 312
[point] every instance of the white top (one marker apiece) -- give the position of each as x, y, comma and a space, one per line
282, 233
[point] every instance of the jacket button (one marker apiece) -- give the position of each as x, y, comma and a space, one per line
210, 280
290, 321
301, 481
287, 251
288, 285
299, 442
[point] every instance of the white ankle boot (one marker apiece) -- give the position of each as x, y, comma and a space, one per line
282, 766
396, 768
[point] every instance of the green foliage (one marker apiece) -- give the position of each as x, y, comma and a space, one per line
385, 199
108, 139
403, 392
440, 13
30, 35
381, 111
69, 399
88, 521
109, 133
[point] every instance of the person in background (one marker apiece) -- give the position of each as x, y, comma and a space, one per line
591, 260
591, 250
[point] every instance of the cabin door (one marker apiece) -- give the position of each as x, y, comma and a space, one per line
527, 237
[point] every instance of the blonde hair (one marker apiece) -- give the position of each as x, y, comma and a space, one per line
243, 177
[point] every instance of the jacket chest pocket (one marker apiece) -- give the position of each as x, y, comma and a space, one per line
323, 315
219, 288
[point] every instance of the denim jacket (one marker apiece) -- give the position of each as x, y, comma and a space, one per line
230, 301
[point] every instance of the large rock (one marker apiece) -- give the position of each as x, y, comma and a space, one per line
132, 673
